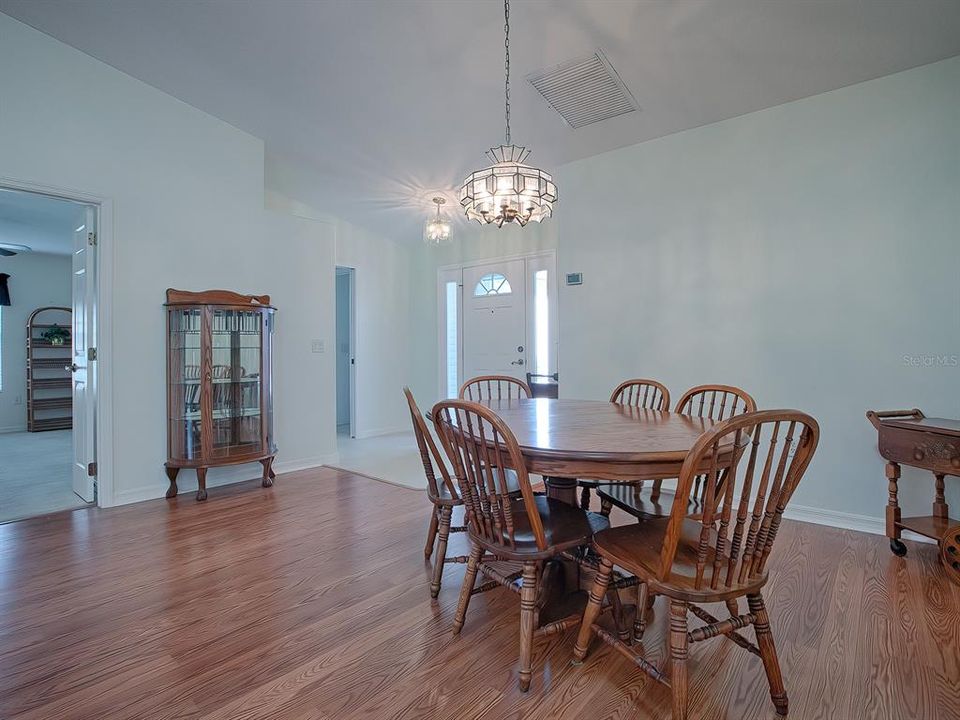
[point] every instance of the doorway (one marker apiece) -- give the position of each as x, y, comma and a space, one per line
499, 317
48, 326
346, 360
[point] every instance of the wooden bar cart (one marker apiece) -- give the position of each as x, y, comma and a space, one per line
219, 383
908, 437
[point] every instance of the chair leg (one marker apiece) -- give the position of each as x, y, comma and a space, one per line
431, 532
444, 534
623, 632
597, 591
640, 621
732, 607
584, 498
768, 653
466, 590
605, 507
678, 658
528, 606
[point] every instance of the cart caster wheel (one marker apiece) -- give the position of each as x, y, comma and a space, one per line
201, 495
898, 548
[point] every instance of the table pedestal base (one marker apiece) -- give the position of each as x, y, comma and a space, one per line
563, 489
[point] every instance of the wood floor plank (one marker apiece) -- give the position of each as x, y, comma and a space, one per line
310, 601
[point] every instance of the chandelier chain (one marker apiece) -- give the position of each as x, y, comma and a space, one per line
506, 63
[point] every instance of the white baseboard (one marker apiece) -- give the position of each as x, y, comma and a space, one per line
845, 521
13, 429
187, 481
364, 434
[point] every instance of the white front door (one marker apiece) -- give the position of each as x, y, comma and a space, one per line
84, 334
494, 319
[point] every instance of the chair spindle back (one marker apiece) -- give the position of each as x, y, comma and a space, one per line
431, 456
494, 387
643, 393
717, 402
759, 482
482, 448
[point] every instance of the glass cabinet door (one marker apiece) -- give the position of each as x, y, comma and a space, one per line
185, 388
237, 424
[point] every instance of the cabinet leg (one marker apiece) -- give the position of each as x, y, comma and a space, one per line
893, 510
201, 483
268, 474
172, 477
940, 508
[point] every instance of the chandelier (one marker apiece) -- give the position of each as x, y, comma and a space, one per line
436, 230
509, 190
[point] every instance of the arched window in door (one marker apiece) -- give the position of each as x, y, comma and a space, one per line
492, 284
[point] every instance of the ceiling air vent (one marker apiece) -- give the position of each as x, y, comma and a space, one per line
584, 91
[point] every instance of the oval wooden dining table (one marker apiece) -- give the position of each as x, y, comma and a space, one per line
564, 440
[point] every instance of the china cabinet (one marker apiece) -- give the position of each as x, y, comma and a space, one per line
219, 389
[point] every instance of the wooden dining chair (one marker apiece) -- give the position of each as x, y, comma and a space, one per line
639, 392
442, 494
643, 393
526, 528
715, 402
700, 561
494, 387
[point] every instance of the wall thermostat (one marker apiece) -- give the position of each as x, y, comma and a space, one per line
574, 278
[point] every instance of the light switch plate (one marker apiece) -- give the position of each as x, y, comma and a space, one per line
575, 278
317, 346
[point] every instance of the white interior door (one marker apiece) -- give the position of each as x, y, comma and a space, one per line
494, 319
84, 334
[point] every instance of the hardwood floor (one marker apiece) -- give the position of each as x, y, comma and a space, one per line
311, 600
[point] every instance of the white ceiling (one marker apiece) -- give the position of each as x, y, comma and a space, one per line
42, 223
377, 104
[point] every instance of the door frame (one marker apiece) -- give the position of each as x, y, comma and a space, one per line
351, 274
103, 339
448, 273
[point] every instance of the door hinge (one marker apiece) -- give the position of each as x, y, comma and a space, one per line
91, 353
91, 238
92, 469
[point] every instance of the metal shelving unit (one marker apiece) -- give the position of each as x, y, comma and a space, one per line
49, 385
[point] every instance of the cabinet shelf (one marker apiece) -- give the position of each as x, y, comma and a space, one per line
52, 383
52, 403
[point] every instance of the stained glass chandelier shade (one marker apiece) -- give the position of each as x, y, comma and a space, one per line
509, 190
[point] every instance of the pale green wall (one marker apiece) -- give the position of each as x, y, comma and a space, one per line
809, 252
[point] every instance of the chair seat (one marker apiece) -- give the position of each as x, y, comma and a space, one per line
637, 549
564, 527
641, 502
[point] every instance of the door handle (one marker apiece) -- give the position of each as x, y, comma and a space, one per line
517, 362
72, 367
